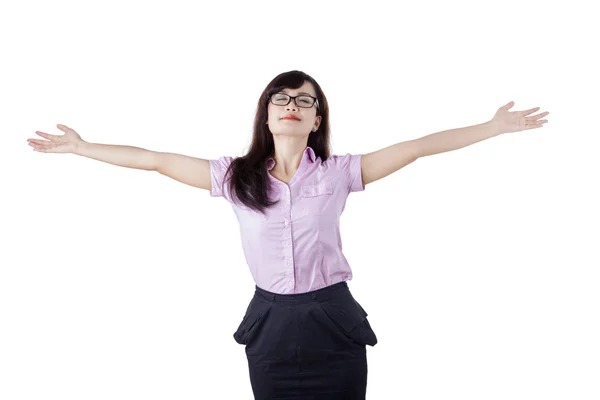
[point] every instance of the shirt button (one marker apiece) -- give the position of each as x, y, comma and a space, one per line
285, 223
291, 283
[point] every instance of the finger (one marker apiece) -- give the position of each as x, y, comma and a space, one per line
38, 145
531, 110
37, 141
47, 135
534, 117
43, 143
41, 149
535, 124
46, 148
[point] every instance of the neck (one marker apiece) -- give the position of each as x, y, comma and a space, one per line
288, 155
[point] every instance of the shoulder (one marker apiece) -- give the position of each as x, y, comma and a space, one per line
218, 168
343, 161
349, 168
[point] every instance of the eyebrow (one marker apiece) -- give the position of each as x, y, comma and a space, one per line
285, 91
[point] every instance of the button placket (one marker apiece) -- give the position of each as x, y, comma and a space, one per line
287, 243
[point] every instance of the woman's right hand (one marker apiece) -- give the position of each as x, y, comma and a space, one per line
66, 143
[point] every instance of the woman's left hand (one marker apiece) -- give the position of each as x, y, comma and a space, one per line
516, 121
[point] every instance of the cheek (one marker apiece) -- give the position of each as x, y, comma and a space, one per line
270, 114
273, 121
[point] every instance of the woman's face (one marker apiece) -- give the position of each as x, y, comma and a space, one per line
308, 119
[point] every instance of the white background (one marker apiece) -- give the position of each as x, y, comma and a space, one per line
478, 267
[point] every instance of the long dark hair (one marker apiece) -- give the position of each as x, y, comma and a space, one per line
249, 181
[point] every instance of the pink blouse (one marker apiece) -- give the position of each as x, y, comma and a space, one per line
296, 247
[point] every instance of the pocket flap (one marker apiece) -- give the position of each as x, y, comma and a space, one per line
351, 319
345, 312
255, 312
318, 189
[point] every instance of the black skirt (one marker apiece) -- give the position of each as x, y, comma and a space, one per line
306, 346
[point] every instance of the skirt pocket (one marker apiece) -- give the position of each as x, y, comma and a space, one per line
255, 313
350, 318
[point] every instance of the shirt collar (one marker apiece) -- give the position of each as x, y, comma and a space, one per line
308, 150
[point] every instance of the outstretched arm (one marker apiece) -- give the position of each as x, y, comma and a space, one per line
382, 163
189, 170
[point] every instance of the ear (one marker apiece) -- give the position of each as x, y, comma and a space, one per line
318, 121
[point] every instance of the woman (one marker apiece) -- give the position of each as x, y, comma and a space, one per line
305, 336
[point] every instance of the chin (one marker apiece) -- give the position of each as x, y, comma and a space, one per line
290, 133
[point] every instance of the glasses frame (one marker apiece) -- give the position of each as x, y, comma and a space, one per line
290, 98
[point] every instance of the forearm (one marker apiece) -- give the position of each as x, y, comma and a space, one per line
454, 139
122, 156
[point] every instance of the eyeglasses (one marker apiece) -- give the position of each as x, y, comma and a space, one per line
304, 101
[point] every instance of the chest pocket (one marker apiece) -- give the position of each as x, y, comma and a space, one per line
317, 189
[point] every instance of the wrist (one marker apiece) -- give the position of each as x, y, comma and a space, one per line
495, 127
79, 146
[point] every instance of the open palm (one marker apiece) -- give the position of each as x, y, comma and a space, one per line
66, 143
518, 120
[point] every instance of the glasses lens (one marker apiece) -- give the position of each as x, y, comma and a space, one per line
281, 99
304, 101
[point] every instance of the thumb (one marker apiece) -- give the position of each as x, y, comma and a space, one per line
508, 105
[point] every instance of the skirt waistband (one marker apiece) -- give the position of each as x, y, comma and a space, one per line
326, 293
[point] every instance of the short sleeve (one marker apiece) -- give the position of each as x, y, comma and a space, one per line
218, 168
349, 167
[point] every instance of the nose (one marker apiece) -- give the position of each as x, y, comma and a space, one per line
292, 105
